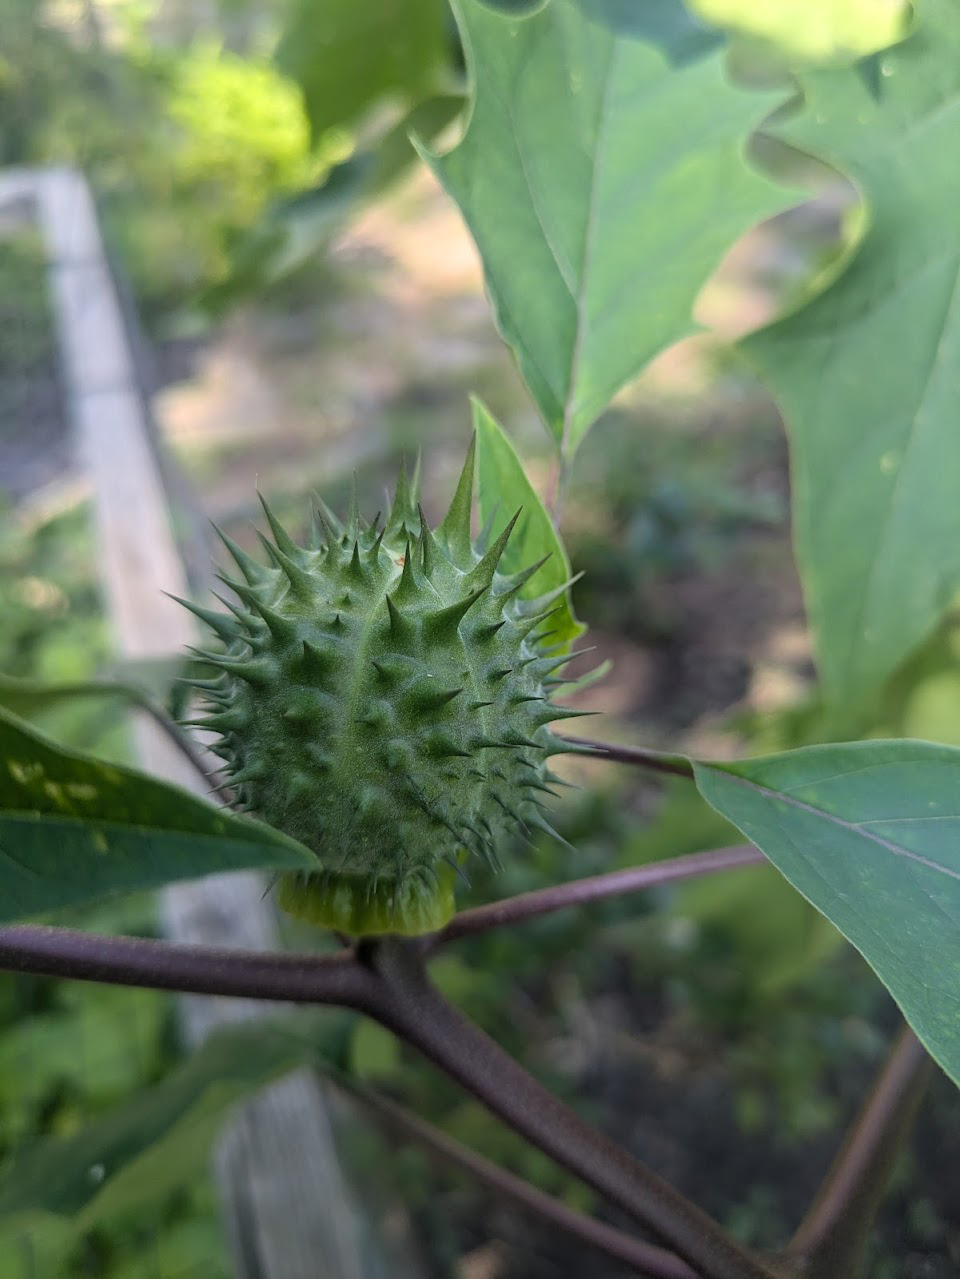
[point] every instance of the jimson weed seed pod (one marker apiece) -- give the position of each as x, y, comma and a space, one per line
384, 699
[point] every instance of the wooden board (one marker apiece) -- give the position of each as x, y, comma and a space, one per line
289, 1213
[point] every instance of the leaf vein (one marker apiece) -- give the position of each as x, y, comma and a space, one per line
897, 849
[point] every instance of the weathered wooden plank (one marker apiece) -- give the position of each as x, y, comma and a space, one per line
289, 1214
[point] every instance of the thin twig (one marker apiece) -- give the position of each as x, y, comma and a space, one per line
832, 1236
200, 970
594, 888
137, 698
647, 1258
657, 761
186, 745
398, 995
405, 1002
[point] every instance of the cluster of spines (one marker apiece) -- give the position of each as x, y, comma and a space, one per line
433, 743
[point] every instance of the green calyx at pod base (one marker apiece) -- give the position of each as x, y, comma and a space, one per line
384, 699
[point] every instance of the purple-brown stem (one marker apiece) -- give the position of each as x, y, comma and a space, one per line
656, 761
388, 982
199, 970
185, 743
833, 1235
305, 978
654, 1262
406, 1003
557, 490
578, 892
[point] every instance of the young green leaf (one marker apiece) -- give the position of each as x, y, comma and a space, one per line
602, 177
73, 829
868, 375
869, 832
502, 490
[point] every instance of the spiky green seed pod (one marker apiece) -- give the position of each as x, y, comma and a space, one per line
383, 701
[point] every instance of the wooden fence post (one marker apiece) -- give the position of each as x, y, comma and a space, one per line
288, 1210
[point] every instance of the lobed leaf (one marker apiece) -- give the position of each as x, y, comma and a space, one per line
868, 374
602, 177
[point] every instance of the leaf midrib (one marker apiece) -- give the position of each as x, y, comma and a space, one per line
587, 257
133, 829
802, 806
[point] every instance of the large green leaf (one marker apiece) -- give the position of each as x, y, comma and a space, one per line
73, 828
869, 832
160, 1138
502, 490
602, 177
347, 55
868, 375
